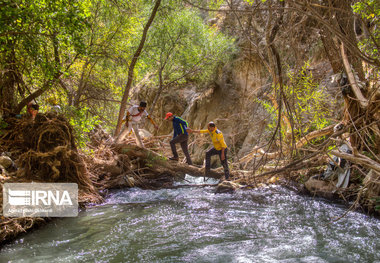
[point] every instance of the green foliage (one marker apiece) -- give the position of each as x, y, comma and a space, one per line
38, 41
184, 47
96, 79
82, 122
369, 11
215, 4
251, 2
307, 99
91, 43
310, 110
331, 147
31, 27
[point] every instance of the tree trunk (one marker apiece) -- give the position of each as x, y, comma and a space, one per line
8, 82
47, 85
339, 32
331, 51
123, 105
81, 84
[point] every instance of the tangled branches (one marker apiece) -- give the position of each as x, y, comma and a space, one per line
44, 151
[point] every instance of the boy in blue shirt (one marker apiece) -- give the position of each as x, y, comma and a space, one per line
180, 136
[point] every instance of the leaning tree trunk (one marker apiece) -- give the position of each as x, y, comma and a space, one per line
346, 23
8, 81
123, 105
338, 38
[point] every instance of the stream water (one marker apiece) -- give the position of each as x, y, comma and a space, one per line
195, 225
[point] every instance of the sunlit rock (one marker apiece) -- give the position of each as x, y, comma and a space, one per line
6, 162
144, 133
227, 187
273, 179
320, 187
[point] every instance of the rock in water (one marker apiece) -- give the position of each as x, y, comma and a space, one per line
321, 188
6, 162
227, 187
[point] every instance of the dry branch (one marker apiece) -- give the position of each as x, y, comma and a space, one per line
359, 95
259, 151
359, 159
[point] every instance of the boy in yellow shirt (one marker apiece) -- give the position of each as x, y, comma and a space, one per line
220, 148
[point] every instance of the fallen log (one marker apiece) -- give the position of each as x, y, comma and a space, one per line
150, 170
161, 165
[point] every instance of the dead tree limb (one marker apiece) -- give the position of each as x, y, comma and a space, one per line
359, 159
355, 88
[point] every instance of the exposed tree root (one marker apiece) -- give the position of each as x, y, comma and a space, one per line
44, 151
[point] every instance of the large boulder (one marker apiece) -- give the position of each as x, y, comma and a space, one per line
227, 187
320, 188
6, 162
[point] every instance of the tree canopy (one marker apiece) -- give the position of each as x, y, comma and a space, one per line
76, 53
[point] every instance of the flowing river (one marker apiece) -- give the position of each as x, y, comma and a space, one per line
195, 225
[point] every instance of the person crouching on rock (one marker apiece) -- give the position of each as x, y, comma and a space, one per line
220, 148
132, 120
180, 136
32, 110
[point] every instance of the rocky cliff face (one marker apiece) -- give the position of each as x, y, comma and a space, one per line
231, 102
